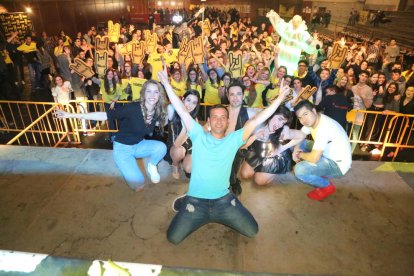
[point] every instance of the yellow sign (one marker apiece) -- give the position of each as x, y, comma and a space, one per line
338, 56
138, 52
101, 62
81, 68
306, 93
184, 55
114, 31
236, 64
191, 51
150, 41
206, 27
101, 43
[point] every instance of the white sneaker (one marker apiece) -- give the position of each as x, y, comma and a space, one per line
375, 152
153, 173
23, 82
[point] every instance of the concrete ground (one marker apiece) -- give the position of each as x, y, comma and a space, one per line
74, 203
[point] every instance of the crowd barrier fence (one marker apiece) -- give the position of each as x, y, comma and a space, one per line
35, 124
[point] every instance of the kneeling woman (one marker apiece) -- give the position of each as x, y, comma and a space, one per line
266, 156
135, 121
178, 142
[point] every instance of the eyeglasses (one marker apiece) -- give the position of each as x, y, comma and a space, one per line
301, 65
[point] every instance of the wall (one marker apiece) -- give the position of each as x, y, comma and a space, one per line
386, 5
75, 15
339, 9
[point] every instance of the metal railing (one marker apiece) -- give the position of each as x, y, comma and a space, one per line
35, 124
387, 131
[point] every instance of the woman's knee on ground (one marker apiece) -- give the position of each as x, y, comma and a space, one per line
262, 179
246, 171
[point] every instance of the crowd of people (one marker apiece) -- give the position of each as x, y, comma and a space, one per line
248, 118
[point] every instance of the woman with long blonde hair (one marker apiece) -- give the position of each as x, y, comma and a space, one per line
136, 120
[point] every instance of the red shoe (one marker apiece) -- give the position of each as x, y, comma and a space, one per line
321, 193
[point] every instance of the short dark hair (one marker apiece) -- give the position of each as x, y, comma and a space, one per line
364, 72
303, 61
236, 83
335, 88
396, 71
216, 106
304, 103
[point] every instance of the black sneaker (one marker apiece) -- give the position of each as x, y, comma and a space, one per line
178, 202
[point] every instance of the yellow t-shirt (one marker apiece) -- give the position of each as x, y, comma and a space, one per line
272, 93
212, 96
107, 98
58, 50
258, 102
155, 60
179, 87
171, 58
7, 58
136, 86
27, 48
198, 88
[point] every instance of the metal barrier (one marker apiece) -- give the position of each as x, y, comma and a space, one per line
35, 124
383, 130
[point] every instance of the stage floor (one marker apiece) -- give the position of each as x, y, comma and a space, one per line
74, 203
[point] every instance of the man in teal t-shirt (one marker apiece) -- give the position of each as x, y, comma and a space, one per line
208, 198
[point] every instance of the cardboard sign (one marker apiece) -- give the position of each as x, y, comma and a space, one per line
206, 27
338, 56
288, 98
138, 52
191, 51
235, 64
197, 50
185, 52
306, 93
150, 41
114, 31
126, 49
81, 68
101, 43
101, 63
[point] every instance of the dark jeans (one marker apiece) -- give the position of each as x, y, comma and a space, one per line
196, 212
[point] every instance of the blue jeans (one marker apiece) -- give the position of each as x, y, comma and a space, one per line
34, 73
125, 158
196, 212
316, 174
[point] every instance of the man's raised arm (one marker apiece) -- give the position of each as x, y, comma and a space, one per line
262, 116
175, 100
